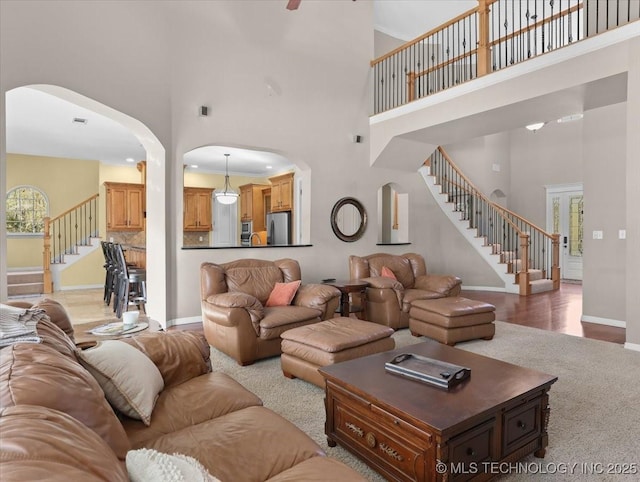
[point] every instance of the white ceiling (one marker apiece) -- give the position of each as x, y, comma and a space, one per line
41, 124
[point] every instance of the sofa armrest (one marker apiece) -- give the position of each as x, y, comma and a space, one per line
233, 309
315, 295
179, 355
319, 296
447, 285
382, 282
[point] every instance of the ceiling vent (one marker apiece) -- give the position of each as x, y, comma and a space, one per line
79, 120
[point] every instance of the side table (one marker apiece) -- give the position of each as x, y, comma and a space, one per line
85, 339
346, 288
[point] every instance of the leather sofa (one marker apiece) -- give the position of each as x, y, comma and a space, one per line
56, 424
235, 318
388, 300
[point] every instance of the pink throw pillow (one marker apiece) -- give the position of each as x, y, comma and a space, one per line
283, 293
387, 273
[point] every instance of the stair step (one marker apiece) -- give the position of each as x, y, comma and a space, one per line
22, 289
21, 277
541, 285
534, 275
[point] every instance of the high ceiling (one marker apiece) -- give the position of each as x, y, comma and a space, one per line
41, 124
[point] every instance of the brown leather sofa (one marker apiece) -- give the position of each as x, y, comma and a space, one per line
235, 318
388, 301
56, 424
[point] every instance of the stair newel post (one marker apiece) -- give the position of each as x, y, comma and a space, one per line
523, 275
555, 260
484, 51
411, 86
46, 257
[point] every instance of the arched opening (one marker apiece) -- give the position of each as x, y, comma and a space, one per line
155, 193
393, 214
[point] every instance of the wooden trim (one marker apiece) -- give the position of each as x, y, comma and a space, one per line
424, 36
395, 210
536, 25
46, 258
75, 207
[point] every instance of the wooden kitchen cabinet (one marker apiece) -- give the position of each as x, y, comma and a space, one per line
282, 192
125, 206
197, 209
252, 205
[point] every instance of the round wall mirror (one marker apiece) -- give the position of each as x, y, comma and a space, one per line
348, 219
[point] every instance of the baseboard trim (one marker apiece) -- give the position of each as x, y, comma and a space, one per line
499, 289
80, 287
184, 321
632, 346
604, 321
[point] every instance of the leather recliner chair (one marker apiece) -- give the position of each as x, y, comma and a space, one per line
235, 318
388, 300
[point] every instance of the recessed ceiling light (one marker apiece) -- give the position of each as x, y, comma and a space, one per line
130, 159
79, 120
570, 118
194, 166
269, 167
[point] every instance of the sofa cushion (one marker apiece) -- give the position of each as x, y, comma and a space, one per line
192, 402
319, 469
57, 314
245, 445
39, 443
39, 375
400, 266
254, 280
283, 293
387, 273
179, 355
148, 465
130, 380
278, 319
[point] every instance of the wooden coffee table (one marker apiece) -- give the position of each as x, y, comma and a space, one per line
409, 430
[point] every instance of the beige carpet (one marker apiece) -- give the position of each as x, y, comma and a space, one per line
595, 404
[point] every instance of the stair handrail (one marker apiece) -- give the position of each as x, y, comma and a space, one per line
524, 236
50, 225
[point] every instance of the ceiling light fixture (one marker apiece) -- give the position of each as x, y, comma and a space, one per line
79, 120
193, 166
130, 159
228, 196
535, 127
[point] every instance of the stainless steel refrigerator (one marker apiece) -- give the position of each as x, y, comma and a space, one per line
279, 228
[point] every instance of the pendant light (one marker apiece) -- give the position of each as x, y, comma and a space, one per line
228, 196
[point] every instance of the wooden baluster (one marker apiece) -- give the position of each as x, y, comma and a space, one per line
46, 257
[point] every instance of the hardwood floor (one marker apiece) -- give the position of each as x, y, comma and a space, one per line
558, 311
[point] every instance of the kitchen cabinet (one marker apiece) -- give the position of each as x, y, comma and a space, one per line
252, 205
282, 192
125, 206
197, 209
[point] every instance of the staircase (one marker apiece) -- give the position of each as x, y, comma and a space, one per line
25, 283
68, 238
524, 256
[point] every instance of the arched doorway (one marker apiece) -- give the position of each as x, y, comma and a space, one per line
155, 194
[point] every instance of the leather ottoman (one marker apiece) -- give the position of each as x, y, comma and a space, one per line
307, 348
453, 319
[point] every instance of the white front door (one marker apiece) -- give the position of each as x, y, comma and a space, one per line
565, 214
225, 224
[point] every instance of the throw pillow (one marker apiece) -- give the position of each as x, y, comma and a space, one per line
129, 379
387, 273
57, 314
148, 465
283, 293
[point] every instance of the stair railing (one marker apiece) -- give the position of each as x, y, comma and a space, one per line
493, 35
64, 233
511, 236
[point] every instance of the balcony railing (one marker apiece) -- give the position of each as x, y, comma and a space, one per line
494, 35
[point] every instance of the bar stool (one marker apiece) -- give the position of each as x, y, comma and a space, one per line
131, 285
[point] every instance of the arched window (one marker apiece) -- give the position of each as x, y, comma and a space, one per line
27, 207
